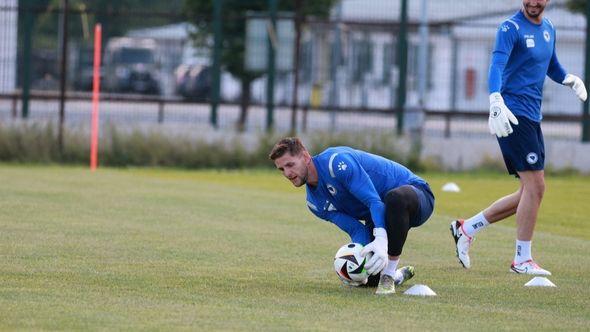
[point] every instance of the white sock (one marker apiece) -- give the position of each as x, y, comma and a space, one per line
475, 224
523, 251
391, 267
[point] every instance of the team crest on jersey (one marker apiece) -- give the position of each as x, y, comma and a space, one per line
331, 189
532, 158
546, 35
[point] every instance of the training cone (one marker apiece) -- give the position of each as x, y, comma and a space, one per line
451, 187
540, 282
420, 290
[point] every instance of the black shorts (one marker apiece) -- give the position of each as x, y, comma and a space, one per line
524, 149
426, 204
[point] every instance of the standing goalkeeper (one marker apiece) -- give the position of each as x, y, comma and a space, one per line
523, 55
345, 186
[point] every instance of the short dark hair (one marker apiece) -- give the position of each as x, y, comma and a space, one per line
292, 145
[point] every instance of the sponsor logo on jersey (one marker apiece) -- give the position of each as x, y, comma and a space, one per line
532, 158
530, 43
505, 28
342, 166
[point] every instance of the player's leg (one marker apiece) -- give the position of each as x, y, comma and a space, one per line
499, 210
515, 148
533, 183
463, 231
400, 205
403, 207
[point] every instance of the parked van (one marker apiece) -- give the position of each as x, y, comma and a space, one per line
131, 65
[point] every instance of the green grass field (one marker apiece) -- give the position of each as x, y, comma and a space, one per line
164, 249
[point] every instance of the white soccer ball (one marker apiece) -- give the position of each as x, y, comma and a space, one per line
349, 264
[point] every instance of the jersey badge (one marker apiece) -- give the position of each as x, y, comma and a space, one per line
546, 35
342, 166
331, 189
532, 158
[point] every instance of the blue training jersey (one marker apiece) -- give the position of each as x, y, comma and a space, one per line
352, 185
523, 55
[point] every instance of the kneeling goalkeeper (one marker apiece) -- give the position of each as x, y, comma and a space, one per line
347, 186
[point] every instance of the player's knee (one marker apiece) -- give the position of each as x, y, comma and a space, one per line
396, 200
536, 187
535, 192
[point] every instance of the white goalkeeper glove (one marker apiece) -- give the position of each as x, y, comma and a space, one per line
500, 116
378, 247
577, 85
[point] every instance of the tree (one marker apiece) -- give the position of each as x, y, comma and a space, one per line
234, 30
116, 16
577, 5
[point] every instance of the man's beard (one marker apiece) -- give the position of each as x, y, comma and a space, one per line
539, 8
303, 180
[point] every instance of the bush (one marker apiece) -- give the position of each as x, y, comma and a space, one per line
37, 143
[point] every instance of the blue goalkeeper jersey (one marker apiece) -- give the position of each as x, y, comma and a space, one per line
523, 55
351, 187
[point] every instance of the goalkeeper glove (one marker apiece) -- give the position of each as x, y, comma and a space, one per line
378, 247
577, 85
500, 116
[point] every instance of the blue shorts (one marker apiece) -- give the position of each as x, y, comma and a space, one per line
426, 207
524, 149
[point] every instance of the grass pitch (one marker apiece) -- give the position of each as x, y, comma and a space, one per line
163, 249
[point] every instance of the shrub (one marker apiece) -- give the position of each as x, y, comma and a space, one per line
37, 143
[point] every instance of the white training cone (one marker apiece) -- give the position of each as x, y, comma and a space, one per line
451, 187
420, 290
540, 282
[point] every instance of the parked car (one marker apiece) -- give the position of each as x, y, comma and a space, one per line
193, 82
130, 65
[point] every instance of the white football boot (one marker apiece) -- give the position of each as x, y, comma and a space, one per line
462, 242
386, 285
529, 267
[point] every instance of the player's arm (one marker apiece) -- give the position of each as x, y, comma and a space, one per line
352, 176
500, 116
358, 232
555, 70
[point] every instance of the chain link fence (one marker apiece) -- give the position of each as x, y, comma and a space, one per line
345, 78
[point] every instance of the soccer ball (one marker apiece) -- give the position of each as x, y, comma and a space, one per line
349, 264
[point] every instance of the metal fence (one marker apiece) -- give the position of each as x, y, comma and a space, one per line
347, 72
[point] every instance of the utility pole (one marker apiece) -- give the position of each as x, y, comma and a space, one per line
29, 18
62, 82
270, 81
402, 51
585, 113
294, 103
216, 69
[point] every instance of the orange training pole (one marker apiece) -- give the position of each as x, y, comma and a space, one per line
95, 96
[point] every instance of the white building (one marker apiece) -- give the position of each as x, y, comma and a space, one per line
461, 38
8, 44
